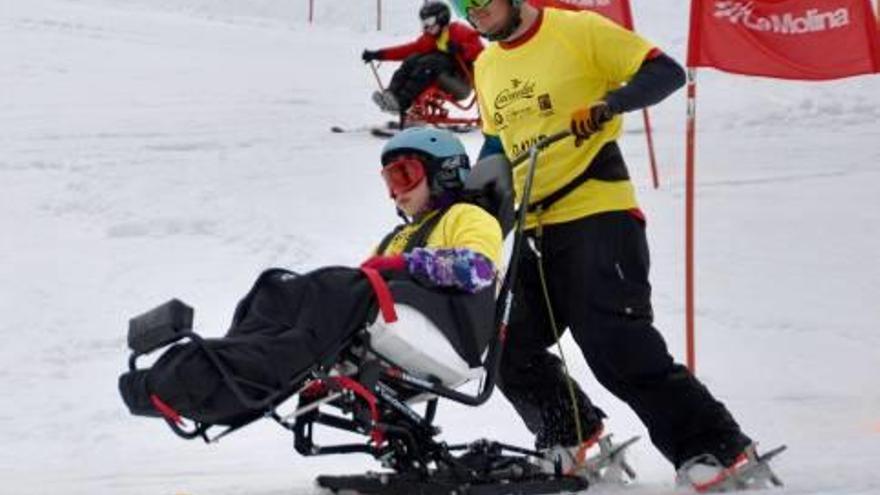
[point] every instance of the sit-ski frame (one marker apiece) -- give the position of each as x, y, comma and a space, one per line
430, 108
400, 438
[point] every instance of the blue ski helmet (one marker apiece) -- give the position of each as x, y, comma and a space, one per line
445, 159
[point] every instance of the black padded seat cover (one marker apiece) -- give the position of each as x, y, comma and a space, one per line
489, 185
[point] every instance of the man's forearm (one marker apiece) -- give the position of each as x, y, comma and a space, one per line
656, 79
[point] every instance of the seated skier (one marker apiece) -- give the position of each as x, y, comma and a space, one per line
446, 250
444, 53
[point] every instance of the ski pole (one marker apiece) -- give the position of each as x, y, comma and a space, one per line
376, 74
507, 292
532, 156
538, 146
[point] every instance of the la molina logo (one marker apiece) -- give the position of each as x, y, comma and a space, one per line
787, 23
518, 90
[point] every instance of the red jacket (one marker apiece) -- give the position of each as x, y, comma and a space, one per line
464, 38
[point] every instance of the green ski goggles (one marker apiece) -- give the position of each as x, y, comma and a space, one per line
463, 6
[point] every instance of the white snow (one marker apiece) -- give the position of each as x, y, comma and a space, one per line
151, 149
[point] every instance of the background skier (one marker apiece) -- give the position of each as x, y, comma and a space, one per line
444, 53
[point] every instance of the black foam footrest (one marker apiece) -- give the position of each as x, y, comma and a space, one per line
159, 326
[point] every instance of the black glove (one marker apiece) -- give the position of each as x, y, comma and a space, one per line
370, 55
586, 121
453, 49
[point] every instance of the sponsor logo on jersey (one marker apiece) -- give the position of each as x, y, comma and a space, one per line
518, 90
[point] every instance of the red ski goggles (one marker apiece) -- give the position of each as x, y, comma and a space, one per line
403, 174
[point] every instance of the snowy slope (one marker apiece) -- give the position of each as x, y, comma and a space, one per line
151, 149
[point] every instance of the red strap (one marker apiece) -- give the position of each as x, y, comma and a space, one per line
315, 389
376, 434
383, 294
165, 410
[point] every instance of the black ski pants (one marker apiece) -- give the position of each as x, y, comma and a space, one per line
596, 269
418, 72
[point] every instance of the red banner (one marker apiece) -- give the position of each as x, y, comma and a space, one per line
616, 10
788, 39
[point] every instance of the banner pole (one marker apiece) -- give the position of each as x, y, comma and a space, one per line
311, 11
689, 217
651, 156
378, 15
